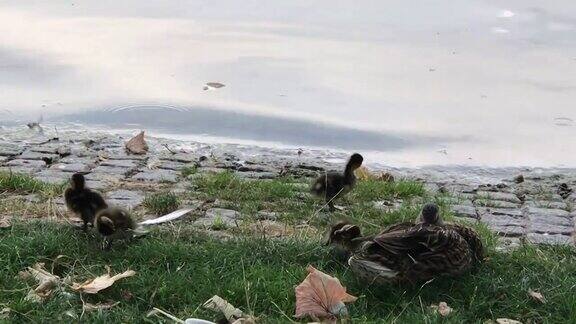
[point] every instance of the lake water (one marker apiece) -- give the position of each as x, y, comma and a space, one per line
489, 83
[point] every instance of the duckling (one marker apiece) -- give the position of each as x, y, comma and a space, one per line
333, 184
83, 201
411, 252
114, 223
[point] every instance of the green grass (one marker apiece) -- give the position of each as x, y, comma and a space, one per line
189, 170
25, 184
177, 270
162, 203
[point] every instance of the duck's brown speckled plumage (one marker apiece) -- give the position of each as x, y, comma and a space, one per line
410, 252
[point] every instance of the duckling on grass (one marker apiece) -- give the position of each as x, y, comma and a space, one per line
83, 201
409, 252
114, 223
333, 185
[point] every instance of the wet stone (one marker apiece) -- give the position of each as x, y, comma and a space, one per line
504, 196
502, 220
71, 167
9, 149
118, 171
181, 157
96, 185
125, 198
554, 239
90, 161
127, 164
517, 213
52, 176
546, 204
173, 165
31, 155
464, 211
495, 203
507, 230
536, 227
35, 164
213, 216
158, 175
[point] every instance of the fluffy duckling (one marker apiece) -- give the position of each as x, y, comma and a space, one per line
114, 223
333, 184
410, 252
83, 201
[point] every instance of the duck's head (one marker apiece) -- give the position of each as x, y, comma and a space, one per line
430, 214
355, 161
342, 234
77, 181
106, 226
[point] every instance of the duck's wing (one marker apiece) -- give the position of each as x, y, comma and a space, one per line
420, 253
472, 238
399, 227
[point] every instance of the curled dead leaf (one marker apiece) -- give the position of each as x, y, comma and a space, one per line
137, 144
537, 296
5, 223
507, 321
218, 304
47, 283
101, 306
93, 286
321, 296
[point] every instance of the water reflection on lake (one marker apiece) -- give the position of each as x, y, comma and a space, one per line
433, 82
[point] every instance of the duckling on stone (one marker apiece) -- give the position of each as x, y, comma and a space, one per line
83, 201
333, 185
410, 253
114, 223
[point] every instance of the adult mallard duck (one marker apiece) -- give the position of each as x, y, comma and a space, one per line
335, 184
410, 252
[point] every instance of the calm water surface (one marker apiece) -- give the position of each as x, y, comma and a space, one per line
433, 82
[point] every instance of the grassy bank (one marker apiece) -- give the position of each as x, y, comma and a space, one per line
178, 268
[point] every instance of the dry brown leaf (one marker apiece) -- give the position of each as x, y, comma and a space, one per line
137, 144
5, 223
93, 286
536, 295
321, 296
47, 283
507, 321
218, 304
126, 295
100, 306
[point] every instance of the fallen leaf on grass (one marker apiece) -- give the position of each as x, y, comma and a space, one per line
321, 296
5, 223
218, 304
537, 296
93, 286
47, 283
442, 308
5, 313
507, 321
137, 144
101, 306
